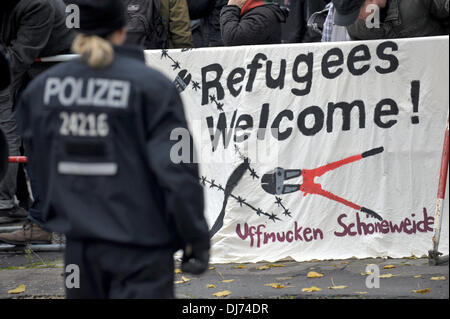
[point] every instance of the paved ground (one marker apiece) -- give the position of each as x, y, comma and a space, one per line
42, 275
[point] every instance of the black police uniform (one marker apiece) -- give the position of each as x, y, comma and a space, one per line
99, 145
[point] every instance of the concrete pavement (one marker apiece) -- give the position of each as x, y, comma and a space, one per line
42, 274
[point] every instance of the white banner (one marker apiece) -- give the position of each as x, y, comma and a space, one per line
317, 151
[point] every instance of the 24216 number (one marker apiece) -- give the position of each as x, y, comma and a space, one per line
84, 125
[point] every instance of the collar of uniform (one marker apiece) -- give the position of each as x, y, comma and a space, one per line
130, 52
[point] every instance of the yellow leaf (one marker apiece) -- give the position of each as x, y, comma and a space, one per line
417, 276
337, 287
241, 267
386, 276
311, 289
228, 280
178, 282
275, 285
222, 293
361, 292
212, 268
178, 271
313, 274
421, 291
276, 265
366, 273
412, 257
389, 267
263, 267
438, 278
211, 286
185, 279
18, 290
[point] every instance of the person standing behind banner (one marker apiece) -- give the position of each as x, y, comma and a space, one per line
205, 24
175, 14
301, 11
108, 181
397, 18
249, 22
331, 31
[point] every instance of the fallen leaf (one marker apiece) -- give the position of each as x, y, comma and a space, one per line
241, 267
346, 262
228, 280
222, 293
361, 292
366, 273
178, 271
417, 276
313, 274
311, 289
438, 278
337, 287
386, 276
212, 268
412, 257
185, 279
275, 285
275, 265
211, 286
389, 267
263, 267
421, 291
18, 290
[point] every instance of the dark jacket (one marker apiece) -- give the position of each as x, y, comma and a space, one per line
296, 30
261, 25
30, 29
206, 31
108, 175
406, 19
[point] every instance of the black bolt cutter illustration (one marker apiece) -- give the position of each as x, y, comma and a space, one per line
273, 181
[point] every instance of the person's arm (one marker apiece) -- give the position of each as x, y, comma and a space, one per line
183, 194
179, 24
36, 24
248, 29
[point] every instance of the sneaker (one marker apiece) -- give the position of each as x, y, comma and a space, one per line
29, 234
12, 215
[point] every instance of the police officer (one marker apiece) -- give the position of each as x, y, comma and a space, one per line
97, 132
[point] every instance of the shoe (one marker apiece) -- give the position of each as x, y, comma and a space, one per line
12, 215
29, 234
